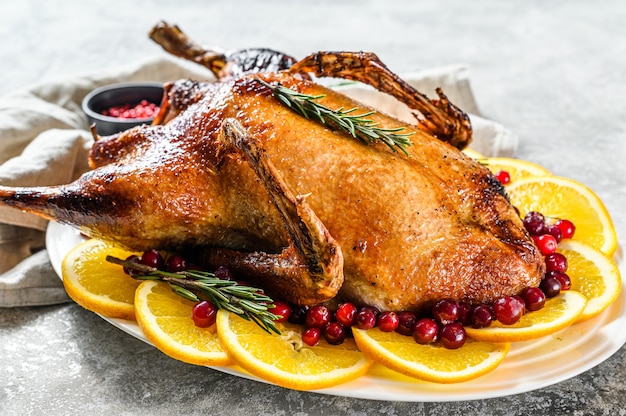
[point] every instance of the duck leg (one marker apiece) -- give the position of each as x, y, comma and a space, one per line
439, 117
310, 269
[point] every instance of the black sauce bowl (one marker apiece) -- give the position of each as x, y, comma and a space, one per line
121, 94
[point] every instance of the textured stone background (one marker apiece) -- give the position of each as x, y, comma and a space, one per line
554, 72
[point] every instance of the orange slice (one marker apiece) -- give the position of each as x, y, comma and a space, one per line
284, 359
165, 319
517, 168
593, 274
96, 284
428, 362
558, 313
473, 153
559, 197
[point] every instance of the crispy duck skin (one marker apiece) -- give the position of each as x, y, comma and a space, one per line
412, 229
235, 177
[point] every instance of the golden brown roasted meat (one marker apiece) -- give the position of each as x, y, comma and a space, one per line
230, 173
408, 229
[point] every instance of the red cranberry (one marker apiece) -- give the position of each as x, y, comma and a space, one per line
508, 309
365, 319
373, 309
406, 322
563, 278
175, 263
133, 258
346, 314
545, 243
522, 302
282, 309
446, 311
555, 232
504, 177
224, 273
556, 262
534, 298
334, 333
452, 336
311, 336
152, 258
567, 228
388, 321
317, 316
465, 313
482, 316
550, 286
425, 331
204, 314
535, 223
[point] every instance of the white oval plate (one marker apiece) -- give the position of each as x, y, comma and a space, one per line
529, 365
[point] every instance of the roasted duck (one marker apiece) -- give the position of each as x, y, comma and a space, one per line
309, 213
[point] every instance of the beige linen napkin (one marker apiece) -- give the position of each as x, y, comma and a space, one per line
44, 140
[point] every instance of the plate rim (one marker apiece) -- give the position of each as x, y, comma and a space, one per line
60, 238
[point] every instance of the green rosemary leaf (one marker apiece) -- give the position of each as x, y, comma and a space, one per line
267, 325
185, 293
194, 285
356, 125
252, 306
147, 277
234, 309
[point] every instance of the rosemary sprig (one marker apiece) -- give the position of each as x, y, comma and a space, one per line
195, 285
358, 126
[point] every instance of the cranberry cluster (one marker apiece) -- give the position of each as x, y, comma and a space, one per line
144, 109
336, 325
204, 312
444, 323
154, 258
547, 235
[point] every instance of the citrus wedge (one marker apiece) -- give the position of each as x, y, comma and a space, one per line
165, 319
96, 284
517, 168
558, 313
428, 362
559, 197
593, 274
284, 360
